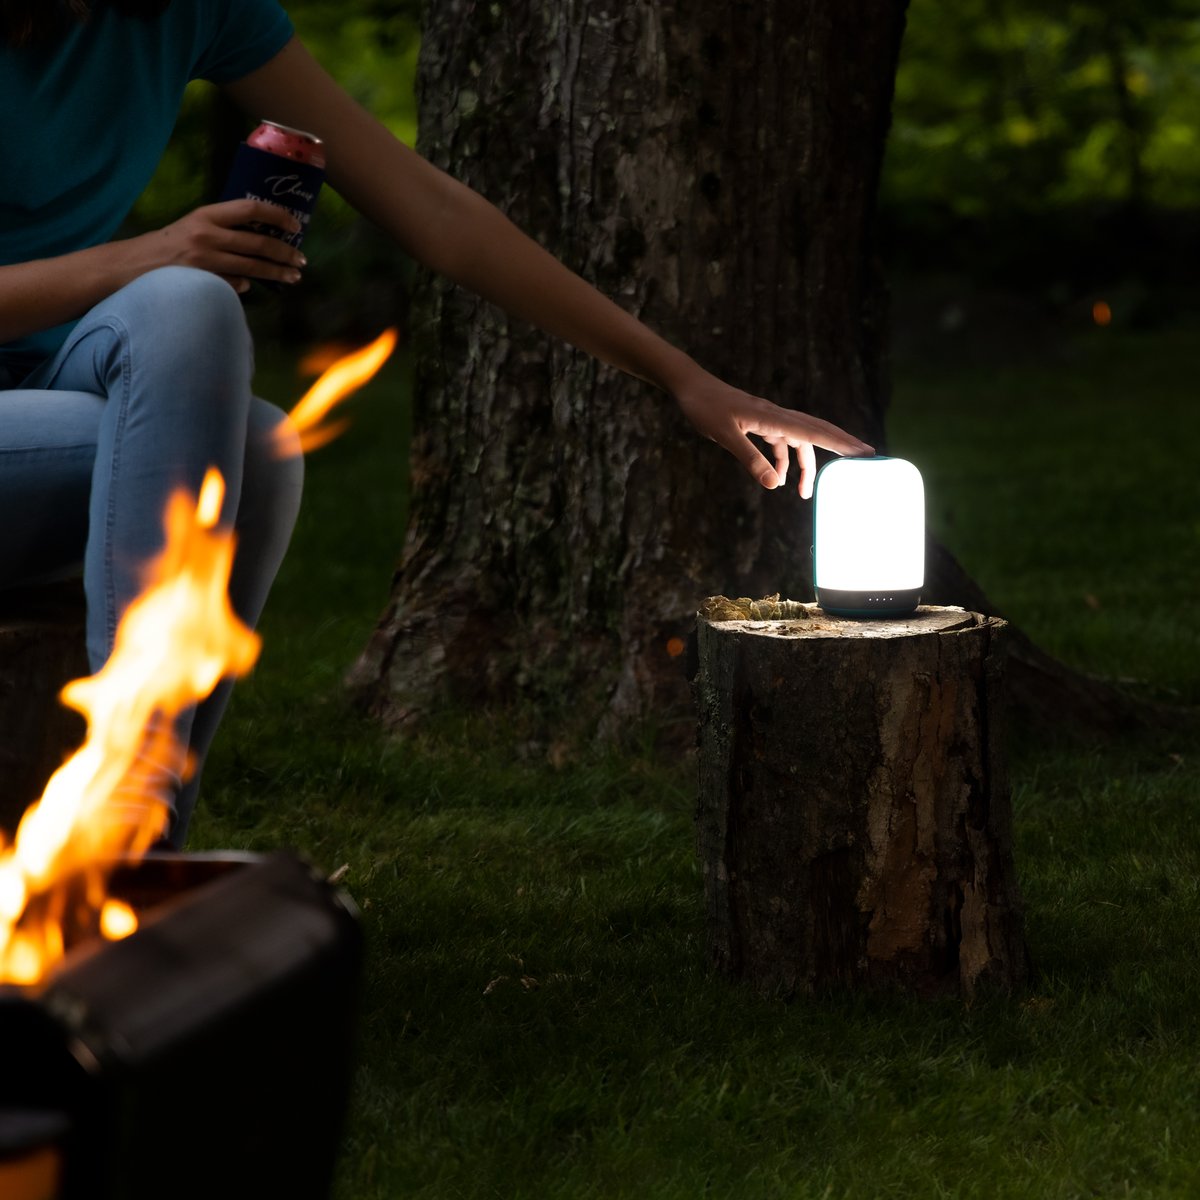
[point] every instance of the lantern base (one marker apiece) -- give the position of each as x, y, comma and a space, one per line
894, 602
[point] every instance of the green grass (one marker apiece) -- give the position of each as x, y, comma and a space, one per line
537, 1018
1066, 489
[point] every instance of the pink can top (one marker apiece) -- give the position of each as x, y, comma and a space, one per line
288, 143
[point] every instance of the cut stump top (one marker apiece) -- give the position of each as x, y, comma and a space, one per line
799, 620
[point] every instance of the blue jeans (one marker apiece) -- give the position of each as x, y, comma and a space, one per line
150, 389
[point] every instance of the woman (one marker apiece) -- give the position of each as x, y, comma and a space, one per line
126, 364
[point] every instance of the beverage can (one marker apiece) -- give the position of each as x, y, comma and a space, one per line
287, 142
282, 166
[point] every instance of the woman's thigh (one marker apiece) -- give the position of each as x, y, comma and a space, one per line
47, 452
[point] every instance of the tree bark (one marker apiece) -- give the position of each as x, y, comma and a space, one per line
854, 818
712, 166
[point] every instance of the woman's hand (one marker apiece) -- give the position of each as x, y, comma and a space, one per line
728, 416
214, 238
42, 293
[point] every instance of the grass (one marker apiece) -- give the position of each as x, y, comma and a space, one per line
537, 1018
1064, 488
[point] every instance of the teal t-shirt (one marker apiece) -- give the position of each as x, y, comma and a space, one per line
84, 120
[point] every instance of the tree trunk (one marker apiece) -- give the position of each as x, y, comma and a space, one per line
854, 818
713, 167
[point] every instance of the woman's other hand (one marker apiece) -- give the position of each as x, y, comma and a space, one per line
730, 416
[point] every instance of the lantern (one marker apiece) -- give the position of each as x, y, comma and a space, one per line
868, 537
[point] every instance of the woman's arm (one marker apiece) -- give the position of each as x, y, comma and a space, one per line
453, 230
46, 292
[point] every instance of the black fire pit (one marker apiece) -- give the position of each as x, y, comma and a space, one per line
207, 1055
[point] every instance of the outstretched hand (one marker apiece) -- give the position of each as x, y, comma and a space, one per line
729, 416
214, 238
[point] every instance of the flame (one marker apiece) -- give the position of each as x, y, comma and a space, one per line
174, 643
321, 358
337, 382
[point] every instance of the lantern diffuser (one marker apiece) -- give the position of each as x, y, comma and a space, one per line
868, 537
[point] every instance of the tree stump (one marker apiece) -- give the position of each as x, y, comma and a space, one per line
854, 816
41, 649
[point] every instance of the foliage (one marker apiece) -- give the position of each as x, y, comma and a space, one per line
1009, 120
1030, 105
537, 1019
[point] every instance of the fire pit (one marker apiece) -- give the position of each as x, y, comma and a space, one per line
208, 1054
203, 1049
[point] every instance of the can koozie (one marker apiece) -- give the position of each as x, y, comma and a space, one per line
260, 175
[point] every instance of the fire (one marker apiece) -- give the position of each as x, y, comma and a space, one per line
346, 375
173, 645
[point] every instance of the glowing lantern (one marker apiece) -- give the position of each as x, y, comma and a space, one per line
868, 537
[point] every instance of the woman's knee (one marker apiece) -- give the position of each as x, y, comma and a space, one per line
185, 311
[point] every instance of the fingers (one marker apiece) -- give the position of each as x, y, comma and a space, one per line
830, 437
781, 462
787, 428
812, 431
261, 245
757, 464
796, 428
730, 417
760, 468
233, 265
754, 462
207, 238
806, 460
243, 212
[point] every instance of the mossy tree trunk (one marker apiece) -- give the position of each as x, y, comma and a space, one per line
713, 167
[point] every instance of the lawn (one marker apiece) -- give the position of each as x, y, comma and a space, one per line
538, 1020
